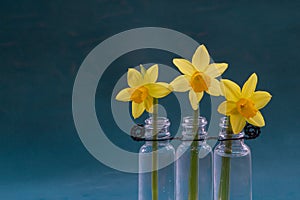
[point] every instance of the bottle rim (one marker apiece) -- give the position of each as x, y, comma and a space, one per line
188, 121
224, 125
161, 121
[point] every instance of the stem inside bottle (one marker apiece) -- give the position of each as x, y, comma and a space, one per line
224, 186
193, 177
154, 153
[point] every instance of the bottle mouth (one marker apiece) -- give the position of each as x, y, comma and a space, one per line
189, 126
162, 124
224, 122
189, 121
161, 121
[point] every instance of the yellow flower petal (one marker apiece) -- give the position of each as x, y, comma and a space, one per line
151, 74
188, 78
249, 86
143, 70
149, 104
137, 109
180, 84
199, 96
166, 85
195, 99
158, 90
216, 69
184, 66
214, 87
257, 120
201, 58
226, 107
134, 78
124, 95
237, 122
230, 90
261, 99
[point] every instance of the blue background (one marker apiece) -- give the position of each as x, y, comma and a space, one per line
43, 43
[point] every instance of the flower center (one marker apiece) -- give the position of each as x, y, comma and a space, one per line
246, 107
139, 95
200, 82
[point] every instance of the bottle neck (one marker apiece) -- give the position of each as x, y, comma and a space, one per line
192, 128
158, 129
227, 134
232, 138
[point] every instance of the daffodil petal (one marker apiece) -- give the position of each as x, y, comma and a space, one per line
226, 107
257, 120
214, 88
158, 90
201, 58
261, 99
216, 69
134, 78
184, 66
151, 74
124, 95
149, 104
230, 90
194, 99
180, 84
166, 85
249, 86
199, 96
137, 109
143, 70
188, 78
237, 122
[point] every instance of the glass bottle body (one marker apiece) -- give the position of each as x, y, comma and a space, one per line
204, 160
164, 162
232, 167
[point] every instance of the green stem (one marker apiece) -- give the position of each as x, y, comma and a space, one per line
224, 187
154, 152
193, 177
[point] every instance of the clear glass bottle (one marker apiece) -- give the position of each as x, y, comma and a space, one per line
232, 166
163, 160
204, 165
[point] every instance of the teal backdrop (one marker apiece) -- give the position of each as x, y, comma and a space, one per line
43, 43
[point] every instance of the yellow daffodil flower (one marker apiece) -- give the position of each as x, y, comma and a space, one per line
142, 89
242, 105
199, 76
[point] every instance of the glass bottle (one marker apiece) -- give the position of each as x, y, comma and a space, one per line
164, 161
204, 162
232, 166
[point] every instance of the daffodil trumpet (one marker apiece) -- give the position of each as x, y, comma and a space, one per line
144, 92
199, 76
241, 106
